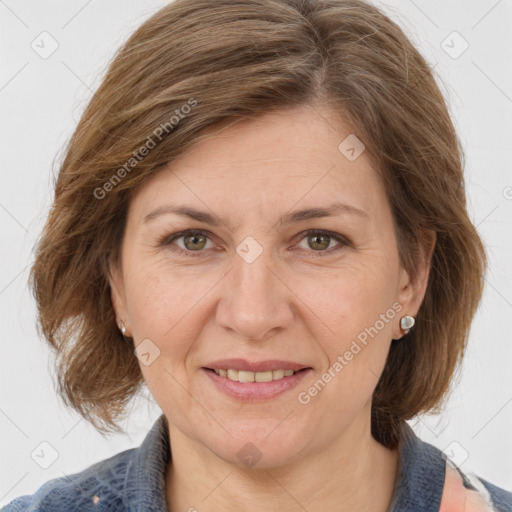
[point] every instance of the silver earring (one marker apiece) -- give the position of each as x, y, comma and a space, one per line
123, 328
406, 322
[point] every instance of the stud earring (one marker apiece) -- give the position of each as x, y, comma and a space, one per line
122, 327
406, 322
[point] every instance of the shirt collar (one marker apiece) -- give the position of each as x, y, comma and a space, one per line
421, 472
144, 487
418, 486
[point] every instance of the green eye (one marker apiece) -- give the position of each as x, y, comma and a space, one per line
195, 240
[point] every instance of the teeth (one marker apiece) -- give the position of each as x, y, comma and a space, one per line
263, 376
232, 374
245, 376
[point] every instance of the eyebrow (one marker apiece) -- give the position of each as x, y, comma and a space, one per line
332, 210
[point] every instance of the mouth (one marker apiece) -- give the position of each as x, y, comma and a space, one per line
255, 381
246, 376
255, 386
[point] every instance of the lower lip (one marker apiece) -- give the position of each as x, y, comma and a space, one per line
256, 391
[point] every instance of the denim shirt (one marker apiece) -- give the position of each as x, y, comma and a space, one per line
134, 481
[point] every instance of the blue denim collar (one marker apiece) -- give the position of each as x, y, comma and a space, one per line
418, 487
134, 480
144, 487
421, 472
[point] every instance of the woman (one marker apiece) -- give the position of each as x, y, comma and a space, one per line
261, 216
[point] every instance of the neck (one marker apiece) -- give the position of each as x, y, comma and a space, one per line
357, 474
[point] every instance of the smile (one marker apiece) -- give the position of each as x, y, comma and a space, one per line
251, 386
247, 376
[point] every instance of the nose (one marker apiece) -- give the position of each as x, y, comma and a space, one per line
256, 302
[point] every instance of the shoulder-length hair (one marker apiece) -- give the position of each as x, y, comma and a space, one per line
196, 63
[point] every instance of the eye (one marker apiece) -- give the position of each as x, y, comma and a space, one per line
195, 240
319, 241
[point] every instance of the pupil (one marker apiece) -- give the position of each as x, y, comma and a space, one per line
194, 239
317, 237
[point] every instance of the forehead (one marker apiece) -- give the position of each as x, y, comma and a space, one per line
278, 161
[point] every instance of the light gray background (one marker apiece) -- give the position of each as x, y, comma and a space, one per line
41, 101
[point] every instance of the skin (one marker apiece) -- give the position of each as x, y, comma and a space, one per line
300, 300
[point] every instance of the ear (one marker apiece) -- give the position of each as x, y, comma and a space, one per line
117, 293
412, 291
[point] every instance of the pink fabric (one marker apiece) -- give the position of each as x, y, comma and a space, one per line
457, 498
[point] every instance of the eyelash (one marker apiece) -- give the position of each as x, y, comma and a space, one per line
168, 239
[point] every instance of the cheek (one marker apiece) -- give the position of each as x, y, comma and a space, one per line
352, 298
160, 294
358, 310
169, 305
360, 319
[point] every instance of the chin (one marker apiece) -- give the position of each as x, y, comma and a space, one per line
259, 446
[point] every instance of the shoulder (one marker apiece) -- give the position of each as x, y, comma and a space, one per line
464, 490
501, 499
132, 480
429, 480
80, 491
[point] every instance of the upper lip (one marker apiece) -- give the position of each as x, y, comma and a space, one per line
255, 366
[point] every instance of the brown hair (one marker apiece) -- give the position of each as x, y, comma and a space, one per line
238, 59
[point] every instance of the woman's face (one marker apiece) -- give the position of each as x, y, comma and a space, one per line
252, 286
